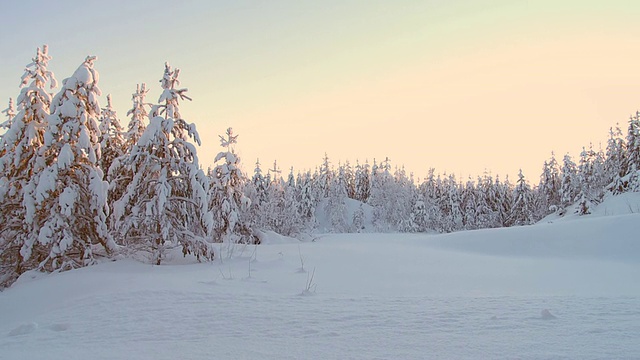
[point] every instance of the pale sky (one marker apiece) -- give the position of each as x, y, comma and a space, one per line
460, 85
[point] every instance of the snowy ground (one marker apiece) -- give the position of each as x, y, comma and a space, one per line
468, 295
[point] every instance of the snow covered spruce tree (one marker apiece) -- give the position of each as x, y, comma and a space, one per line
632, 164
19, 163
335, 208
112, 143
272, 211
165, 202
306, 201
549, 188
615, 165
138, 113
69, 196
523, 209
120, 175
362, 182
292, 220
227, 201
570, 184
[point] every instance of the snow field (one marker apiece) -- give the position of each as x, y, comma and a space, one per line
466, 295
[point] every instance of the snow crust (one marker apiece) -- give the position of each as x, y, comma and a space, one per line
566, 289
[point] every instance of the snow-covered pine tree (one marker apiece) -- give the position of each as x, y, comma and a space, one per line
450, 205
306, 201
504, 197
255, 190
523, 210
325, 177
401, 204
632, 177
590, 175
615, 165
19, 164
335, 208
227, 201
165, 203
487, 211
357, 222
292, 221
469, 206
138, 113
549, 187
420, 215
381, 191
430, 193
362, 182
585, 173
570, 183
272, 211
111, 139
350, 180
120, 175
70, 194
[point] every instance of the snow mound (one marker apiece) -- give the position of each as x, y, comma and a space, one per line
547, 315
598, 237
269, 237
24, 329
612, 205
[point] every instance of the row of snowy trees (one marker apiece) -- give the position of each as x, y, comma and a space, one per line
75, 184
442, 203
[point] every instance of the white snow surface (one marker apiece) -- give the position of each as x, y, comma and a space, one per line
556, 290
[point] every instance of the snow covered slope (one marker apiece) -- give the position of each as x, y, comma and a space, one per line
468, 295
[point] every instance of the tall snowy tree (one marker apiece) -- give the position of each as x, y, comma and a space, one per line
504, 201
138, 113
255, 190
615, 165
523, 209
469, 206
273, 208
362, 182
401, 204
550, 186
632, 177
19, 164
335, 208
430, 193
590, 172
291, 220
70, 194
570, 184
165, 203
450, 205
306, 201
112, 142
485, 203
227, 201
120, 175
325, 177
420, 215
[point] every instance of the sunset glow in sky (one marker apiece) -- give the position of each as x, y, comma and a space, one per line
460, 85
